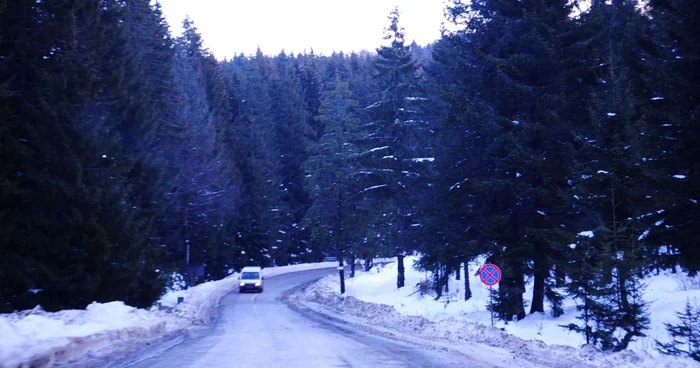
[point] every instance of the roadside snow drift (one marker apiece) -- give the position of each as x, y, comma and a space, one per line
40, 339
36, 338
372, 298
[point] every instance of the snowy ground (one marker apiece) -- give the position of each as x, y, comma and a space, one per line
453, 318
37, 338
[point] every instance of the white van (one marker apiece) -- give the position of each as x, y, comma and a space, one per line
251, 279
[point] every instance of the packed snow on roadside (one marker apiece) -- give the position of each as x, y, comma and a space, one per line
666, 293
35, 335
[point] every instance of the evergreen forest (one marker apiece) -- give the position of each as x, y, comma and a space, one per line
558, 139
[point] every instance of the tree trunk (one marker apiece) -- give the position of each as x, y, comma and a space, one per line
341, 268
368, 264
657, 262
341, 271
510, 293
446, 278
623, 291
560, 276
625, 341
352, 266
519, 302
459, 269
586, 318
538, 294
541, 272
538, 288
467, 288
401, 277
437, 283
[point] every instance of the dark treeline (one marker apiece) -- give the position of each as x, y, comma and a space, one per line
559, 142
566, 153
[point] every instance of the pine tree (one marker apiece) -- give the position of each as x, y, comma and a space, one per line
673, 106
261, 211
293, 134
204, 177
614, 186
309, 74
394, 156
336, 215
588, 287
81, 194
609, 297
514, 123
135, 99
686, 335
454, 213
336, 68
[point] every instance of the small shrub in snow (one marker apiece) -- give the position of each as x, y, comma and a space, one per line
425, 288
540, 325
607, 274
176, 282
686, 335
686, 282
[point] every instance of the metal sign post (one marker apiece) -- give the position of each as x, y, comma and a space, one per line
491, 302
490, 275
341, 272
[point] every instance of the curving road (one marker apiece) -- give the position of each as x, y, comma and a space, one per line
261, 330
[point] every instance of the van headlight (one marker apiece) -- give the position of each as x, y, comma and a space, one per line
242, 284
257, 284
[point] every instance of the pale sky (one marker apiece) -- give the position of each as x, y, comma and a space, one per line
230, 27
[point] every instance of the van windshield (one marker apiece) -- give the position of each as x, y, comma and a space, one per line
250, 276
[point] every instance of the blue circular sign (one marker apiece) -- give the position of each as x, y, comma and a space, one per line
490, 274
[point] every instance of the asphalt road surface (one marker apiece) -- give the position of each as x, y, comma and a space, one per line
261, 330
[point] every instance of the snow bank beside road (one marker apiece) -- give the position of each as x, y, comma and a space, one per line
666, 293
40, 339
36, 338
433, 322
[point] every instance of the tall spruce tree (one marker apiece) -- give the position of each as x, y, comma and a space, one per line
363, 86
79, 191
262, 212
311, 83
338, 213
517, 65
203, 185
446, 224
393, 154
293, 133
614, 185
675, 107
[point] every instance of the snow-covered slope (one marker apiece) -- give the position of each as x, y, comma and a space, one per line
41, 339
667, 293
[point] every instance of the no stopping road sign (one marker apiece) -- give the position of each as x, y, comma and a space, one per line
490, 274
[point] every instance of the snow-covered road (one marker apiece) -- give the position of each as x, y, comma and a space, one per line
261, 330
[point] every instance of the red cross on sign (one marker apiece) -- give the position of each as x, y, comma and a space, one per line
490, 274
